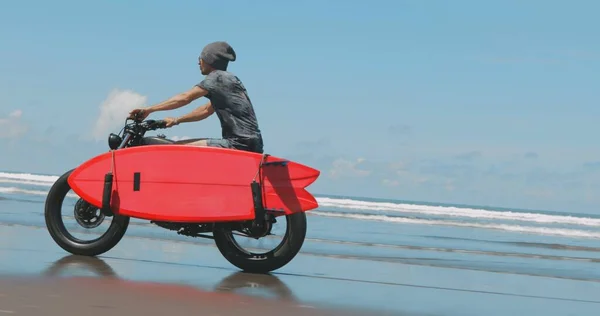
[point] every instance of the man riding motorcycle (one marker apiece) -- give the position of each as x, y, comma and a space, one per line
228, 98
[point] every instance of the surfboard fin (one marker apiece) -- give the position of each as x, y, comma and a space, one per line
260, 211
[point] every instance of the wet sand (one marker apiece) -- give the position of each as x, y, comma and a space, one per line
143, 276
85, 296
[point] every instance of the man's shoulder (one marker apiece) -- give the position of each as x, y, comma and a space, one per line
222, 76
215, 78
225, 75
220, 73
227, 78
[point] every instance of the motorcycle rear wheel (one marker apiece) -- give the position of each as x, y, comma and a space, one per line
267, 262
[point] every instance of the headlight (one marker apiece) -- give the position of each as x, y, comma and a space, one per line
114, 141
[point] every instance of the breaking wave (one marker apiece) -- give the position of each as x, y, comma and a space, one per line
383, 211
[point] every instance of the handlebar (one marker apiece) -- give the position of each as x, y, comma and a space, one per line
141, 127
134, 130
154, 124
148, 124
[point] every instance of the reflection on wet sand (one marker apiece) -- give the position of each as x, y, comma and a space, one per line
69, 265
61, 290
96, 296
268, 282
71, 262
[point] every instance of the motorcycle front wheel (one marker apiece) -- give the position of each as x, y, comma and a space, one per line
58, 231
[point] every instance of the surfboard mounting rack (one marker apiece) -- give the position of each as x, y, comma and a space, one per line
260, 210
107, 192
106, 209
282, 163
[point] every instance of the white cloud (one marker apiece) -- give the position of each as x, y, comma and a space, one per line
176, 138
114, 110
347, 168
12, 126
390, 183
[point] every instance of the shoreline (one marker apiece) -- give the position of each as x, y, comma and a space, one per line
379, 199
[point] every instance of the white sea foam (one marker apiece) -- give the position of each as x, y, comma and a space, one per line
457, 212
14, 190
358, 206
28, 177
27, 182
511, 228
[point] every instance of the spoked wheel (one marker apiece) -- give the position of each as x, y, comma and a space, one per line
86, 216
262, 262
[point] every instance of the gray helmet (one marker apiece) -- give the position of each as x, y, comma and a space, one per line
218, 55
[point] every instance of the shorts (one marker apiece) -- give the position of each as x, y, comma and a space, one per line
218, 142
252, 145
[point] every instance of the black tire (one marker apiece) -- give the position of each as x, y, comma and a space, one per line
64, 239
267, 262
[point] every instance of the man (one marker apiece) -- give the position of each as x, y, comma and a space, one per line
228, 98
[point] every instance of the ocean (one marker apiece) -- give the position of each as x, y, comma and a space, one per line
550, 244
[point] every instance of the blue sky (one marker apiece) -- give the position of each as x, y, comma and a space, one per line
452, 101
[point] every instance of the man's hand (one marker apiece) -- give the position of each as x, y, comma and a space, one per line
171, 121
141, 113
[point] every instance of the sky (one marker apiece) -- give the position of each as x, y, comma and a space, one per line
472, 102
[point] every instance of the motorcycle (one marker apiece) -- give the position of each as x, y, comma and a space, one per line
90, 216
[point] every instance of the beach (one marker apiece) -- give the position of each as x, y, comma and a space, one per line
361, 257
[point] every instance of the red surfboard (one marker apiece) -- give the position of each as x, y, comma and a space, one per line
181, 183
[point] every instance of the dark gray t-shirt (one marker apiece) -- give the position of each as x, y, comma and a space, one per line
232, 105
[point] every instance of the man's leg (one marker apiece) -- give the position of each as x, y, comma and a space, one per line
211, 142
191, 141
218, 142
202, 142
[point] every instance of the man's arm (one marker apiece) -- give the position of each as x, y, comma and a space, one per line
196, 115
178, 100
